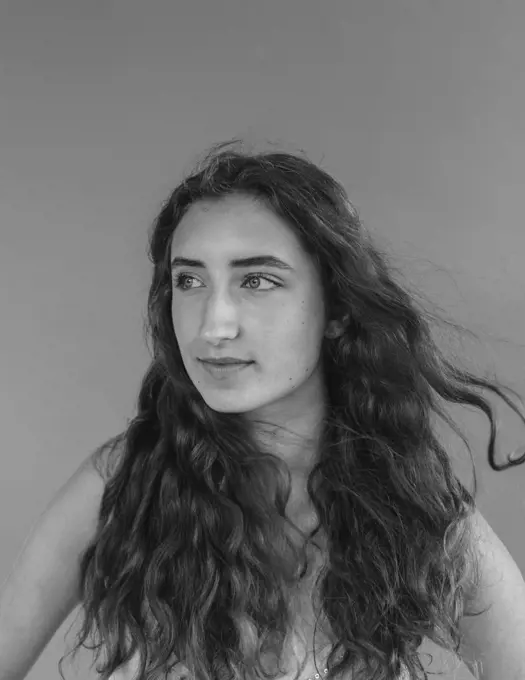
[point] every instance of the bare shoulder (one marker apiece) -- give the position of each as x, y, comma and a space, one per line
43, 586
105, 460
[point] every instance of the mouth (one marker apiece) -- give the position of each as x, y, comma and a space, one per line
224, 362
219, 369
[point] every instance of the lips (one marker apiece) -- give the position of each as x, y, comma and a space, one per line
224, 362
225, 370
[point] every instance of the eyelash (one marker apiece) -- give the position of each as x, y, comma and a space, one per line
180, 277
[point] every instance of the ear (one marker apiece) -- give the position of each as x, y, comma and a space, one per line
334, 330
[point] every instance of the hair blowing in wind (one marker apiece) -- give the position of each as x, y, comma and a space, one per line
193, 559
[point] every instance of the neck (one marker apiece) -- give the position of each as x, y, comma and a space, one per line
291, 429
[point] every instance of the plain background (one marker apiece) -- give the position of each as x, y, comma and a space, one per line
416, 106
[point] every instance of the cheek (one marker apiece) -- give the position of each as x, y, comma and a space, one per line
296, 342
180, 326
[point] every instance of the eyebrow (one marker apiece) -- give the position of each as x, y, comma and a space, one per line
257, 261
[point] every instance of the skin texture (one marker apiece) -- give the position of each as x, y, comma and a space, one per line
278, 322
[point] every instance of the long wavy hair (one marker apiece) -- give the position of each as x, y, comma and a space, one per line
193, 561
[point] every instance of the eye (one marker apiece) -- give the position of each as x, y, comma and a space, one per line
261, 277
180, 279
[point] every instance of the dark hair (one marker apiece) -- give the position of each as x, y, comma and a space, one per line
192, 561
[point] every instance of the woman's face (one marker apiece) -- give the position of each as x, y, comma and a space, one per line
269, 315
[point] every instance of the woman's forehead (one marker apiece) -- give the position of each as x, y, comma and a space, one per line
235, 227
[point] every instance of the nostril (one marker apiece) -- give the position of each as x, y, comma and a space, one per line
518, 455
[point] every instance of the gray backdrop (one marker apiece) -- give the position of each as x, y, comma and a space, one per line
417, 106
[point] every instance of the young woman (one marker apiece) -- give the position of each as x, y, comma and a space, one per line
280, 505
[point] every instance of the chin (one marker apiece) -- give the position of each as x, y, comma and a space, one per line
229, 403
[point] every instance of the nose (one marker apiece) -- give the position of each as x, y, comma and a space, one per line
220, 321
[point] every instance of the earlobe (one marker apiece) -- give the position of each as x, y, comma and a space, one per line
334, 330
